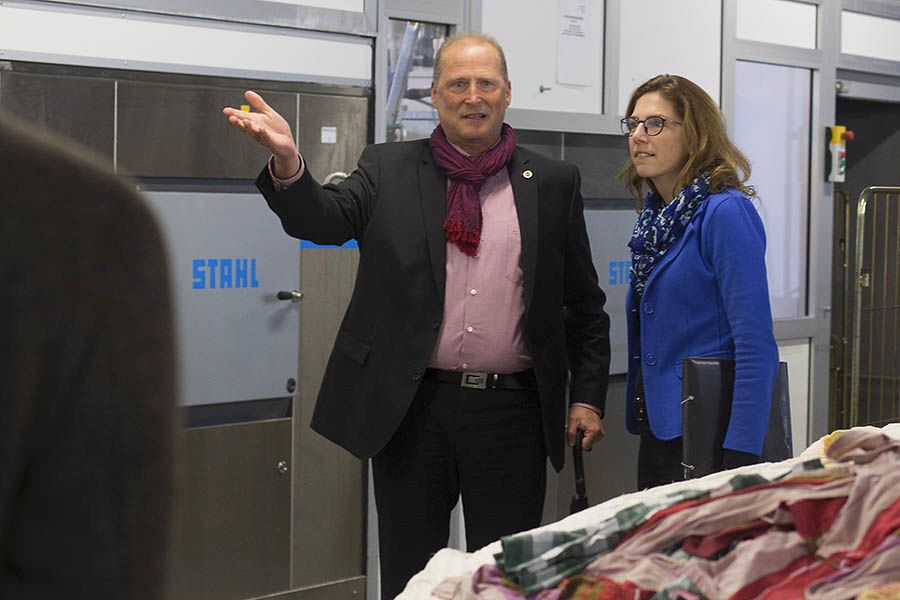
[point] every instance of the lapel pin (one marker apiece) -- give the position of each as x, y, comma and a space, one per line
527, 174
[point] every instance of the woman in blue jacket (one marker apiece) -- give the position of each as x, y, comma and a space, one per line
698, 275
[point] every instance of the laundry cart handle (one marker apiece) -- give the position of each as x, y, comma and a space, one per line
579, 500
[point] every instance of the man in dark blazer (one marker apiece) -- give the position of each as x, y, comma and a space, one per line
86, 379
476, 303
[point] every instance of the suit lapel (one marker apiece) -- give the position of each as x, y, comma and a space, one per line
524, 180
433, 196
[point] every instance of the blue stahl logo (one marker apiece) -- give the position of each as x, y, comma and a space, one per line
619, 272
224, 273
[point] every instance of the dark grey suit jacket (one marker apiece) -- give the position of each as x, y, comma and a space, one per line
86, 379
394, 205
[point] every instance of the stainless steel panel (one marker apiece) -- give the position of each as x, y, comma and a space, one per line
435, 11
329, 483
236, 341
548, 143
861, 90
322, 116
231, 533
609, 232
177, 130
265, 12
230, 413
349, 589
78, 108
599, 158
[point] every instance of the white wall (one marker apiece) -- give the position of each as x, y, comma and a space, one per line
678, 38
779, 155
528, 30
777, 22
869, 35
351, 5
170, 44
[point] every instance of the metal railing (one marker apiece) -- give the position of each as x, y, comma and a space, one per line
875, 354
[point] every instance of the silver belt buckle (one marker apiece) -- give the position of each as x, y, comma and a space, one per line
475, 380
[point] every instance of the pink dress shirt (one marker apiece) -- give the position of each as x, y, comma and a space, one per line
483, 323
484, 307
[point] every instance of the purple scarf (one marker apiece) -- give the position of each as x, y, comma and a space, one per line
462, 225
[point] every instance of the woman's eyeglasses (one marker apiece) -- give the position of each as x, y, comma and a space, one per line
652, 125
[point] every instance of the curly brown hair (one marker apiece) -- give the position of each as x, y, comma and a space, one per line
709, 149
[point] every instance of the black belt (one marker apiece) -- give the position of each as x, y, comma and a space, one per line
524, 380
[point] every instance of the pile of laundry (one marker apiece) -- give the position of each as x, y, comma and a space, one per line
828, 527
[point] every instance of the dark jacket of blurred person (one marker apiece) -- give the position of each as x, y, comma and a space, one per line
86, 373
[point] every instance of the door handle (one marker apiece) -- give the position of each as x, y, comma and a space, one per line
292, 295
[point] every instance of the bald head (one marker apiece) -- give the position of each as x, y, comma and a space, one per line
466, 39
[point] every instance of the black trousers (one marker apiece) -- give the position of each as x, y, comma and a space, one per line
659, 461
487, 445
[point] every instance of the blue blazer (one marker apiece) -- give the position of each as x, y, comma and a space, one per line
708, 296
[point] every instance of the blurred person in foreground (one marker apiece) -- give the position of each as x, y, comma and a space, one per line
86, 365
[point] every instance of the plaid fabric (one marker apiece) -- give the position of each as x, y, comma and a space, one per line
539, 560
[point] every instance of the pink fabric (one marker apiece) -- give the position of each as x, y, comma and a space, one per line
709, 545
794, 584
813, 517
466, 175
717, 578
880, 568
283, 184
484, 292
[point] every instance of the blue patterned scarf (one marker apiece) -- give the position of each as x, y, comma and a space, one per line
659, 226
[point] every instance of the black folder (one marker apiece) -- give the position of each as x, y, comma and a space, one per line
707, 390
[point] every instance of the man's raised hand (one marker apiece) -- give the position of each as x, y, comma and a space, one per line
270, 130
